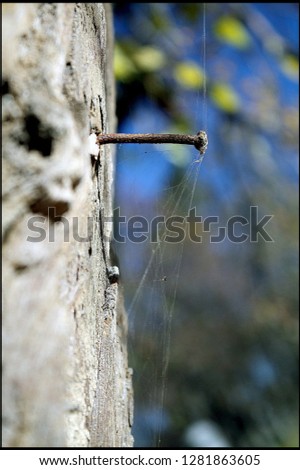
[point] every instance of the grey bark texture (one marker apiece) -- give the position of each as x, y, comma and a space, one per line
66, 382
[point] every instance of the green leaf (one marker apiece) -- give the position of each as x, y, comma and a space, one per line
290, 66
225, 97
124, 68
149, 59
189, 75
230, 30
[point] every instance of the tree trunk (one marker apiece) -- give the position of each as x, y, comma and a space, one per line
65, 377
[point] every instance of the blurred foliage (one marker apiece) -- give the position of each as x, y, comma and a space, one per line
225, 97
189, 75
229, 30
290, 66
234, 338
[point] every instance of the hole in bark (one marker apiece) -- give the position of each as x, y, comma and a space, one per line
5, 87
37, 136
19, 268
75, 182
49, 208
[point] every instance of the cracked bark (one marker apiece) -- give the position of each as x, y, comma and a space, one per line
66, 382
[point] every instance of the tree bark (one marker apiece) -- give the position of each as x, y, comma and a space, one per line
66, 382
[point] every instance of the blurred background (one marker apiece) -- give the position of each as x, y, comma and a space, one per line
213, 327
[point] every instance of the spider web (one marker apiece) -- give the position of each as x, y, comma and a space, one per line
151, 286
